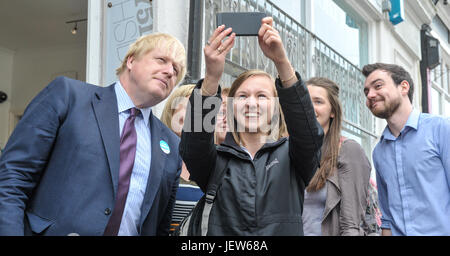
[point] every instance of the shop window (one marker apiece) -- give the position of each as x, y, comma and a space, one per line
295, 9
347, 35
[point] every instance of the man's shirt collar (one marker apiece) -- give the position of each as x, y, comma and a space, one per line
413, 123
125, 103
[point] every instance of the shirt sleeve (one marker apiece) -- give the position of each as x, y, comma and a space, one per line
382, 197
444, 151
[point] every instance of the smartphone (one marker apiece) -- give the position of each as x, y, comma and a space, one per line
243, 23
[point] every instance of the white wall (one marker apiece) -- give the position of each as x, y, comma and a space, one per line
174, 21
399, 45
35, 68
6, 75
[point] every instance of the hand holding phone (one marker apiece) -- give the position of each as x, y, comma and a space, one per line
243, 23
215, 50
270, 41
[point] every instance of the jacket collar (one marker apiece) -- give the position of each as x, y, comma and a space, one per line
333, 194
104, 104
333, 178
230, 146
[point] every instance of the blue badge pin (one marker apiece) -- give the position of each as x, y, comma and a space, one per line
164, 146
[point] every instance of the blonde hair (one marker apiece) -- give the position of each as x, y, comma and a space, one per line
278, 125
225, 91
172, 47
172, 102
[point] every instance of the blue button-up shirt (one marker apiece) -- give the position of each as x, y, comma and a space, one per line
413, 176
139, 176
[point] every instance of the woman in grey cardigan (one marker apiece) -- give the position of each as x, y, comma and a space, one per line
336, 198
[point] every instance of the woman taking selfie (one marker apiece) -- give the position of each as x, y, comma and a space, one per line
336, 198
265, 175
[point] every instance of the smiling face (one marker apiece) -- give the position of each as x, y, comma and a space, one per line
152, 77
253, 104
383, 96
322, 106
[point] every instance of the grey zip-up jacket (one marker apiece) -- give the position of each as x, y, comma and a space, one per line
263, 196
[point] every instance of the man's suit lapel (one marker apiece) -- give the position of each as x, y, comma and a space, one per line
157, 165
105, 108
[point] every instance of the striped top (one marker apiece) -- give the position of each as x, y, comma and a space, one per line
141, 169
187, 197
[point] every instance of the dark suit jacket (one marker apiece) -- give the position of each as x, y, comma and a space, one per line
59, 171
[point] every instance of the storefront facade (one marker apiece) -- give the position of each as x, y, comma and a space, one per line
330, 38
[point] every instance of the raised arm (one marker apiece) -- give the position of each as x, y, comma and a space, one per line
305, 133
215, 51
271, 45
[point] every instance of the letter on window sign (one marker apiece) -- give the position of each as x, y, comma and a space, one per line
125, 31
143, 17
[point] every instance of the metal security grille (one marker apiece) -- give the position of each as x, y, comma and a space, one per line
309, 55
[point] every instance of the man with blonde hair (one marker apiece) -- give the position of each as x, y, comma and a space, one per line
89, 160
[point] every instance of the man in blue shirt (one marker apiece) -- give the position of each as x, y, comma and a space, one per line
412, 158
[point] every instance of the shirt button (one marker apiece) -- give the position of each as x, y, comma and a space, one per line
107, 211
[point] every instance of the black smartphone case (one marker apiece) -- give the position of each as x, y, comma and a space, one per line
243, 23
